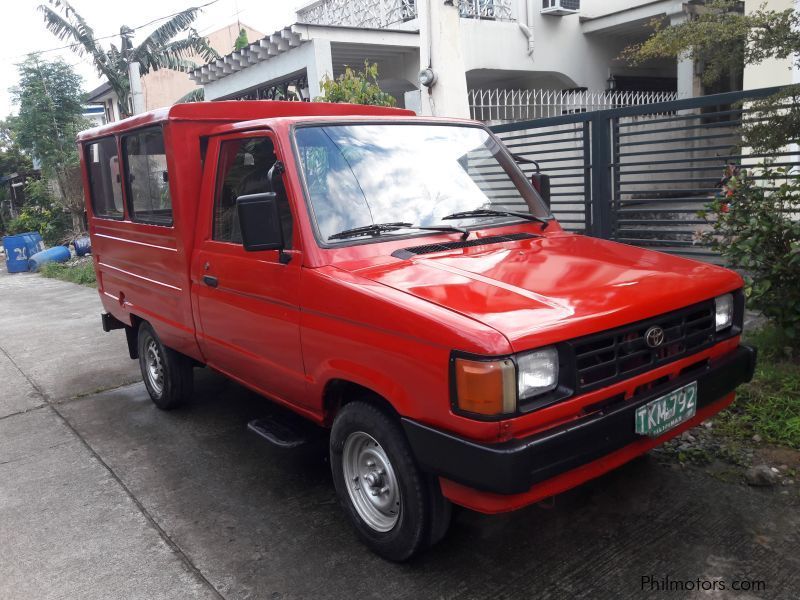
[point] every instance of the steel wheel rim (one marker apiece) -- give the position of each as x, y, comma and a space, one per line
154, 366
371, 481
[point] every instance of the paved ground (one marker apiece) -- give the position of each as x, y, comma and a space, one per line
104, 496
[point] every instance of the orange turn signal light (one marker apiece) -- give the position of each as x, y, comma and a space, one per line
486, 387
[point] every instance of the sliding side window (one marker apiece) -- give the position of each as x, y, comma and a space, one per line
147, 180
105, 184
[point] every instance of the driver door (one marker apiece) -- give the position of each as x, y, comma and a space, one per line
247, 302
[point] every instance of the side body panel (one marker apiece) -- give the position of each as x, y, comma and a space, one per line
143, 269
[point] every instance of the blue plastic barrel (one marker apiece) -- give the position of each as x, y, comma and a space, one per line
19, 248
83, 246
54, 254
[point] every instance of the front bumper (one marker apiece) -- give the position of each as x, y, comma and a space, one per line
513, 467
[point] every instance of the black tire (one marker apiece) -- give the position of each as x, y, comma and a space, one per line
175, 383
423, 513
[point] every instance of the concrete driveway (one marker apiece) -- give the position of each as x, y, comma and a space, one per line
104, 496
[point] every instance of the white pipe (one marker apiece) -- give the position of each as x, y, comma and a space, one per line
526, 26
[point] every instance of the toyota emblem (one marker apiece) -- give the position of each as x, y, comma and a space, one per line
654, 336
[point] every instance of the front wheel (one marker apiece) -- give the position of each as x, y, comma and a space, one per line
167, 374
396, 509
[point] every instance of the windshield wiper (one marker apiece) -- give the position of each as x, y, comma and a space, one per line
490, 212
374, 229
379, 228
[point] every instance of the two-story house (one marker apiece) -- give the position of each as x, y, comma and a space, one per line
513, 51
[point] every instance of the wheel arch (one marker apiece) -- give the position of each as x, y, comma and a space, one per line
340, 391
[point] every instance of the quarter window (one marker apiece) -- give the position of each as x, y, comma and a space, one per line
105, 184
149, 199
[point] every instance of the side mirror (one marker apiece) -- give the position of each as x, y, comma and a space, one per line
259, 222
539, 180
541, 183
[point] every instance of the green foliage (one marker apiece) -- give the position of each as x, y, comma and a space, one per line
356, 87
12, 157
78, 270
774, 121
770, 405
196, 95
722, 38
50, 105
241, 40
715, 37
41, 213
159, 50
752, 226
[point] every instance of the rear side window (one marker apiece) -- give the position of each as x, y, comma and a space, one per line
149, 199
104, 178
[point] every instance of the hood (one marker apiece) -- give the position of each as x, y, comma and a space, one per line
553, 288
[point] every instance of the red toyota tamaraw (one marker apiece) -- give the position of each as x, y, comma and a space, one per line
401, 282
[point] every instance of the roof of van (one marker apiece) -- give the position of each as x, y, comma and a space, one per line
239, 110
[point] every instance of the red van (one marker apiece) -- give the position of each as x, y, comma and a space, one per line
399, 281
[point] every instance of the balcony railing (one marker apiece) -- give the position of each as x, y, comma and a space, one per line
495, 10
381, 14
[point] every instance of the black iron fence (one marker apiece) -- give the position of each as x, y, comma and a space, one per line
640, 174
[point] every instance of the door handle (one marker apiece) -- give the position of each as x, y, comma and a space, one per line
210, 281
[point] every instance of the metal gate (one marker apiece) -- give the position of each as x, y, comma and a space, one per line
640, 174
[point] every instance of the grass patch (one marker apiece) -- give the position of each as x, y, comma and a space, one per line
78, 270
768, 406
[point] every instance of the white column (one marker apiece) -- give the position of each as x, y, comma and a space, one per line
440, 48
319, 66
689, 84
137, 97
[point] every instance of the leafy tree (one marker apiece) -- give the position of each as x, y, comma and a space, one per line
241, 40
356, 87
723, 38
159, 50
50, 105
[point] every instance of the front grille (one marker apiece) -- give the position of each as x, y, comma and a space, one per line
406, 253
611, 356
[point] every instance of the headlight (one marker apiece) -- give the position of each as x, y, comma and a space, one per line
724, 311
537, 372
485, 387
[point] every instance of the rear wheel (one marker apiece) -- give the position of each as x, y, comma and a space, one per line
396, 509
167, 374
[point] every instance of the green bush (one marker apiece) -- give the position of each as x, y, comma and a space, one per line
755, 227
41, 213
356, 87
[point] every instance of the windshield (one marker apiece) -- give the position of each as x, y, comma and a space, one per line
363, 175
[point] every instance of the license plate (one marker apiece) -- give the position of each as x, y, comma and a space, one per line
666, 412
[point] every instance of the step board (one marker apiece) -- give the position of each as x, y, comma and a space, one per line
286, 432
